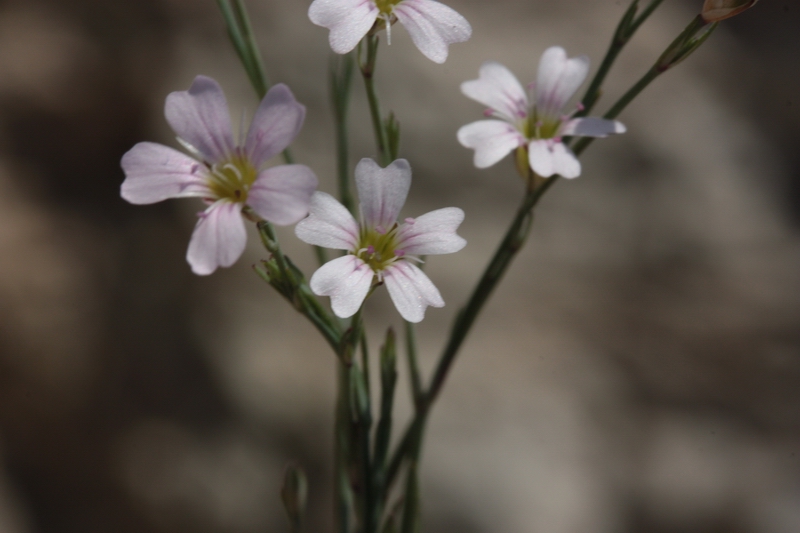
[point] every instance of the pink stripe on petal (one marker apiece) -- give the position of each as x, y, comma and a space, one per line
498, 89
432, 233
346, 280
219, 238
275, 125
411, 290
382, 191
154, 172
492, 140
348, 21
559, 77
282, 194
548, 157
432, 26
328, 224
200, 117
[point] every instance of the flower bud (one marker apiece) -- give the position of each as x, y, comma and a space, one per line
716, 10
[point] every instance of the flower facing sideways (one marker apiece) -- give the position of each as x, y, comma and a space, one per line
379, 250
537, 126
433, 26
227, 175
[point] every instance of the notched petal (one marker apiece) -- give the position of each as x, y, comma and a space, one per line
498, 89
432, 26
219, 238
433, 233
382, 191
282, 194
200, 117
329, 224
346, 280
411, 290
348, 21
275, 125
154, 172
492, 140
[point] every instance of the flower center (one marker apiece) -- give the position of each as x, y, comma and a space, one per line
232, 179
540, 128
378, 247
385, 6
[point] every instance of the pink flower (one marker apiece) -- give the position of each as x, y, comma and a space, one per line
380, 250
538, 127
227, 175
433, 26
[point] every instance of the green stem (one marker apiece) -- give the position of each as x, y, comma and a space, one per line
342, 444
258, 76
625, 29
340, 78
367, 72
240, 32
413, 365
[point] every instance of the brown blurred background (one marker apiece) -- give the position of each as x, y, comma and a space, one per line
638, 372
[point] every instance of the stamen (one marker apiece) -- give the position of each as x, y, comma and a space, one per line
381, 230
235, 170
191, 149
410, 221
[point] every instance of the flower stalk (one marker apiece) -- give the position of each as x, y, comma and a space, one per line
367, 67
626, 28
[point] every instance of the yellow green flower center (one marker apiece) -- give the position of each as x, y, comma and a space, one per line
385, 6
535, 128
232, 179
377, 247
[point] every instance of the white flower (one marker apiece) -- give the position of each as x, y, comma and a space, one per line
540, 126
433, 26
227, 175
379, 249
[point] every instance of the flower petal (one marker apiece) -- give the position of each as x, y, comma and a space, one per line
411, 290
592, 127
346, 280
348, 21
547, 157
200, 117
492, 140
218, 239
328, 224
382, 191
432, 26
433, 233
277, 122
282, 194
558, 79
154, 172
498, 89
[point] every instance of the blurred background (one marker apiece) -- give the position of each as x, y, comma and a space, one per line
637, 372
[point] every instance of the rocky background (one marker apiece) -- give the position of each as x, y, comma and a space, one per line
638, 371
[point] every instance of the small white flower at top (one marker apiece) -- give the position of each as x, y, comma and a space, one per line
227, 175
433, 26
380, 249
539, 127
